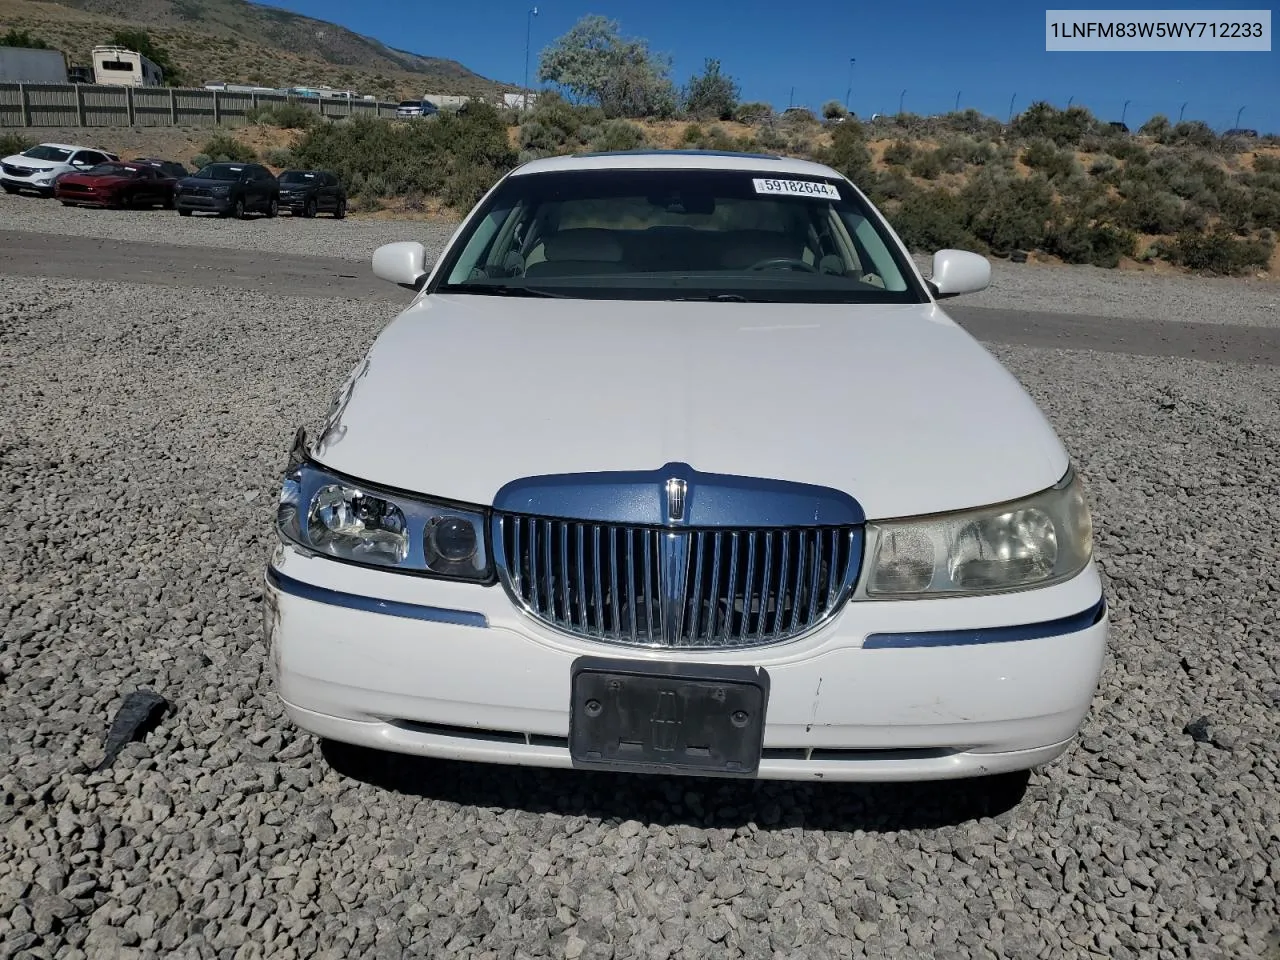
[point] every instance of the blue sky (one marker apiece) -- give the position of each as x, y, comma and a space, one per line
988, 53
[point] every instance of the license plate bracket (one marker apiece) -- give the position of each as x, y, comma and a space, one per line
667, 718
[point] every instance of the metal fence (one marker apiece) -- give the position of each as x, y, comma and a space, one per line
85, 105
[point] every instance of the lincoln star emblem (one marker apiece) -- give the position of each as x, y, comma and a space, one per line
675, 499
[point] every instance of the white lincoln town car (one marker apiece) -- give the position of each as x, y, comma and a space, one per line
675, 464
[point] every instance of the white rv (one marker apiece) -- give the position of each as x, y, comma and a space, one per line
121, 67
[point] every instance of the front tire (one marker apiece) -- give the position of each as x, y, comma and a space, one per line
274, 209
237, 210
340, 211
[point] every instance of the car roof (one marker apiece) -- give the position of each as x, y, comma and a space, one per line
676, 160
70, 146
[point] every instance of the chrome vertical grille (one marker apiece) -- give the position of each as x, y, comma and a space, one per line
676, 587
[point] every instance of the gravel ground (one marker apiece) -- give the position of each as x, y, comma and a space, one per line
1083, 290
141, 436
353, 238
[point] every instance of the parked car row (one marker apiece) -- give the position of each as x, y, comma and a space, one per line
81, 176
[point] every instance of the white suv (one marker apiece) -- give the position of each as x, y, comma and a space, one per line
36, 169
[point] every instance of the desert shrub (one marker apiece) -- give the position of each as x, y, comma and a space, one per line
771, 138
1149, 209
711, 95
1100, 244
1008, 213
12, 143
1266, 209
287, 116
223, 149
278, 157
1127, 150
555, 126
619, 135
1063, 127
927, 165
887, 186
200, 160
956, 153
753, 112
1158, 127
833, 109
1217, 251
1264, 163
899, 153
798, 116
692, 135
928, 220
848, 152
1103, 166
456, 156
1192, 133
1055, 164
717, 138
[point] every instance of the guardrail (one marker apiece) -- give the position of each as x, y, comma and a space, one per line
98, 105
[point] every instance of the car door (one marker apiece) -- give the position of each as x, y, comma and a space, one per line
329, 193
249, 187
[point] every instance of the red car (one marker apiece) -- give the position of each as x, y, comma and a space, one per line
116, 185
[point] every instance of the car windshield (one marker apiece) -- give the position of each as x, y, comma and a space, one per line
112, 170
679, 235
44, 152
296, 176
217, 171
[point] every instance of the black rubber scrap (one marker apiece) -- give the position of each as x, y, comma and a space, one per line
137, 716
1198, 729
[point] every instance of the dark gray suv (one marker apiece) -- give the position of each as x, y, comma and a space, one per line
229, 190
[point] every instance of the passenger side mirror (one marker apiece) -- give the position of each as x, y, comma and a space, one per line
403, 263
959, 271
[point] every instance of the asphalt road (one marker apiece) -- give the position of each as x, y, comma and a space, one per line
48, 255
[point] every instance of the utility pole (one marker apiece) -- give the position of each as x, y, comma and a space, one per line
791, 101
1238, 112
528, 36
1011, 99
1124, 111
901, 97
1070, 100
957, 109
849, 91
1180, 112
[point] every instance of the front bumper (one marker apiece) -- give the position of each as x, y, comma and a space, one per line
453, 670
27, 183
205, 204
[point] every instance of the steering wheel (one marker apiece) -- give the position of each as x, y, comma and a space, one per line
792, 263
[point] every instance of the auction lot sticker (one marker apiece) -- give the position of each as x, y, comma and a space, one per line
798, 188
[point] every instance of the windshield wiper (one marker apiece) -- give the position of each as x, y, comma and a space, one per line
719, 298
496, 290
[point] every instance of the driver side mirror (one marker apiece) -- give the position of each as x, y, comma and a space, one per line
959, 271
403, 263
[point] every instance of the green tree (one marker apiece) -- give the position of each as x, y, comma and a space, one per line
594, 63
141, 41
711, 95
21, 38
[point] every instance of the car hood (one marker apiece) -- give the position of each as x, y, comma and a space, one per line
896, 405
19, 160
204, 182
94, 180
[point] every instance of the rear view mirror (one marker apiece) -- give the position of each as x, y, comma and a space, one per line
958, 271
403, 263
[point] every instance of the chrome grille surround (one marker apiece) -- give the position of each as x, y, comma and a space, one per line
710, 562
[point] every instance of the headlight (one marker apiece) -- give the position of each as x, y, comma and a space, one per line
1044, 539
220, 191
342, 518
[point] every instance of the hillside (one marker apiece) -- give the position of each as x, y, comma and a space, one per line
236, 41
